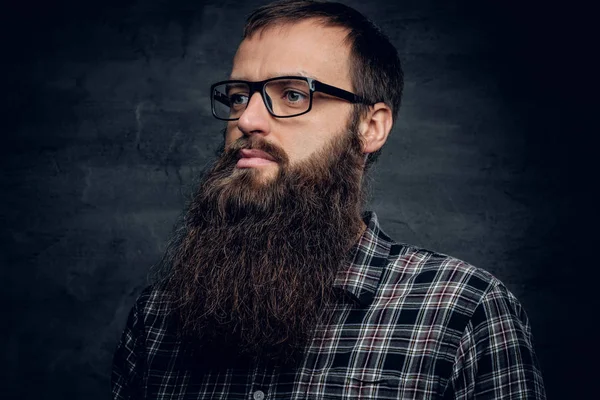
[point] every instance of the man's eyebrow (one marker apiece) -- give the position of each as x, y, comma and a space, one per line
235, 85
295, 73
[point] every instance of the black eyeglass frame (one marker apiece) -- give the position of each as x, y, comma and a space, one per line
313, 85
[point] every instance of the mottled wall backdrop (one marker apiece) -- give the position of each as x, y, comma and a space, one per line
106, 124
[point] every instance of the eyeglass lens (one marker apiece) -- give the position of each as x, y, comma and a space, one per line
284, 97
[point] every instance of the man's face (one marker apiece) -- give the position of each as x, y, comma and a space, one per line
306, 49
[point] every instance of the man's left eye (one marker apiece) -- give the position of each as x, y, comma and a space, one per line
294, 96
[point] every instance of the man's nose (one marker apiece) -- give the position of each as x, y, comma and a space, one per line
256, 117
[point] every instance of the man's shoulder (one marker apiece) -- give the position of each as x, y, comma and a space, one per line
153, 301
430, 264
419, 270
420, 273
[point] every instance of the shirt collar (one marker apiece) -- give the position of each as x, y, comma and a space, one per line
362, 275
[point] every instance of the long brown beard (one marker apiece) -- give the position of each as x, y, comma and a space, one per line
254, 265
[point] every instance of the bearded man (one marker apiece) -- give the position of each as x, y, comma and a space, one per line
277, 285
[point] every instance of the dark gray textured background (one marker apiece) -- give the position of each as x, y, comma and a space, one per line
106, 123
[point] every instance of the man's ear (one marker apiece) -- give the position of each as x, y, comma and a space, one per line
375, 127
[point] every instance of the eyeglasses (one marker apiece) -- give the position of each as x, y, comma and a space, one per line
284, 96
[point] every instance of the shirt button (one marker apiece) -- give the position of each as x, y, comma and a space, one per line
259, 395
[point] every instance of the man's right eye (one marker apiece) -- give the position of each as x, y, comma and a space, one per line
238, 98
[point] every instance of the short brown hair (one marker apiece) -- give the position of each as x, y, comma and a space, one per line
375, 68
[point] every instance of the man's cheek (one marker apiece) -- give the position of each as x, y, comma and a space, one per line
231, 133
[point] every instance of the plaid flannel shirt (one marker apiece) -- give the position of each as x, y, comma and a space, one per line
420, 325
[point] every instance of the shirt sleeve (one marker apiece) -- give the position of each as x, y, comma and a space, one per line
495, 358
129, 360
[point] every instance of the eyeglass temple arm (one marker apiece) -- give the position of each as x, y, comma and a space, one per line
341, 93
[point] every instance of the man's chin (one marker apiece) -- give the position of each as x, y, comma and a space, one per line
260, 174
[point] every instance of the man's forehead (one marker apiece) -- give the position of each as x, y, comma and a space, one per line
285, 28
297, 72
306, 48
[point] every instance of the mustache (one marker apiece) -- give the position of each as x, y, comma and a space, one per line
255, 142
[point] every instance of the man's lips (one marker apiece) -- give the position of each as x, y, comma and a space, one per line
254, 158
